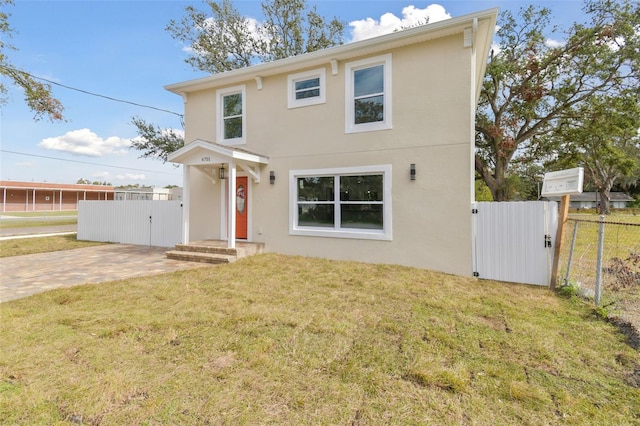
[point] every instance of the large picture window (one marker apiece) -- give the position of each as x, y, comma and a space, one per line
368, 95
231, 115
350, 202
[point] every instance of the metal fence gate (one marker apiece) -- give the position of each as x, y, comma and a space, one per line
140, 222
514, 241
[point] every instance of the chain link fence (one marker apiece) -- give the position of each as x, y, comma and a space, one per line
601, 259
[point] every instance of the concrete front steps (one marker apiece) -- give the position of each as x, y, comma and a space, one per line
214, 251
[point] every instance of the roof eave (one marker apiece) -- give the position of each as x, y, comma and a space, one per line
342, 52
228, 152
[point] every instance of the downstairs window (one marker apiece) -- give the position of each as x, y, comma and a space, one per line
352, 202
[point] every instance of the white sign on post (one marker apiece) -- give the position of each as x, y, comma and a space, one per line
563, 182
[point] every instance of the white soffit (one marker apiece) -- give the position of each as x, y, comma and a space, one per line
202, 152
343, 52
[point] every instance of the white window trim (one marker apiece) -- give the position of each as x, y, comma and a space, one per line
220, 94
362, 234
350, 68
320, 73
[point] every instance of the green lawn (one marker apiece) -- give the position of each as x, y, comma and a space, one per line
275, 339
43, 213
38, 219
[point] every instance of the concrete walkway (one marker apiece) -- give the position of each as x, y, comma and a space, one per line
22, 276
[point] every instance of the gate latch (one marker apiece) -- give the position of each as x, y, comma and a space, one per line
547, 241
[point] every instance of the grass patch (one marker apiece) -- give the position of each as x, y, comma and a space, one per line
22, 246
42, 213
38, 219
277, 339
619, 240
31, 223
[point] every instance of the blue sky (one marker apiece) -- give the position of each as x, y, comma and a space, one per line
120, 49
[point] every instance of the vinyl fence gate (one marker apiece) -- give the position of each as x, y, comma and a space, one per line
140, 222
514, 241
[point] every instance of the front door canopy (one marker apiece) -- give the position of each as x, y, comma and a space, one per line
202, 153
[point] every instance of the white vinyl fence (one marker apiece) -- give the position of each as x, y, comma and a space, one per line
515, 241
149, 223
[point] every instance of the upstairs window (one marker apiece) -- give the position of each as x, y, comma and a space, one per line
368, 95
231, 115
306, 88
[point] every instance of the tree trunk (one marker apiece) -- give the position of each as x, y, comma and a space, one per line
605, 201
487, 177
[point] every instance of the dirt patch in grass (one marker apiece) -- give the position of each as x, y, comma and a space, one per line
625, 312
277, 339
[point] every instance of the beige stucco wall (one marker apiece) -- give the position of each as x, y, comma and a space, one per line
432, 92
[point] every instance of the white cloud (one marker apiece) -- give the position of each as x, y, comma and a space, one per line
135, 177
101, 176
128, 177
554, 43
388, 23
495, 49
85, 142
179, 132
253, 27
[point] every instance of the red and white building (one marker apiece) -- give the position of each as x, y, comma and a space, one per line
32, 196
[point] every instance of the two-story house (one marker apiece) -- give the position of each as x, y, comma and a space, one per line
362, 151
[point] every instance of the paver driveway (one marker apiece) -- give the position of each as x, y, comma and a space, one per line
22, 276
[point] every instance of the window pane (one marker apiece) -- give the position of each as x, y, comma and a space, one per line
320, 215
233, 128
232, 105
361, 216
308, 84
361, 188
316, 188
313, 93
369, 110
368, 81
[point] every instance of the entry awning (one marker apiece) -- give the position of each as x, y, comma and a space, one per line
202, 153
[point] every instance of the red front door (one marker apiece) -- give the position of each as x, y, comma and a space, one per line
242, 196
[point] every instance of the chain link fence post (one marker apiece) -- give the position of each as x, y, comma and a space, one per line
598, 291
571, 250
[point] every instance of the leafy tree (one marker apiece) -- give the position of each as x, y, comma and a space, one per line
37, 95
605, 142
223, 40
83, 181
292, 29
532, 86
153, 141
482, 190
226, 40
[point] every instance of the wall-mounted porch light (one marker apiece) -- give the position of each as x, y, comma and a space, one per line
223, 173
412, 171
272, 177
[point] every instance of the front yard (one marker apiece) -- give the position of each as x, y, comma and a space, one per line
277, 339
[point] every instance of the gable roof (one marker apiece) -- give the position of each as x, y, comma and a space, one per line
481, 23
216, 153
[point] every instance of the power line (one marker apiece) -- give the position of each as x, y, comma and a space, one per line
87, 162
86, 92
